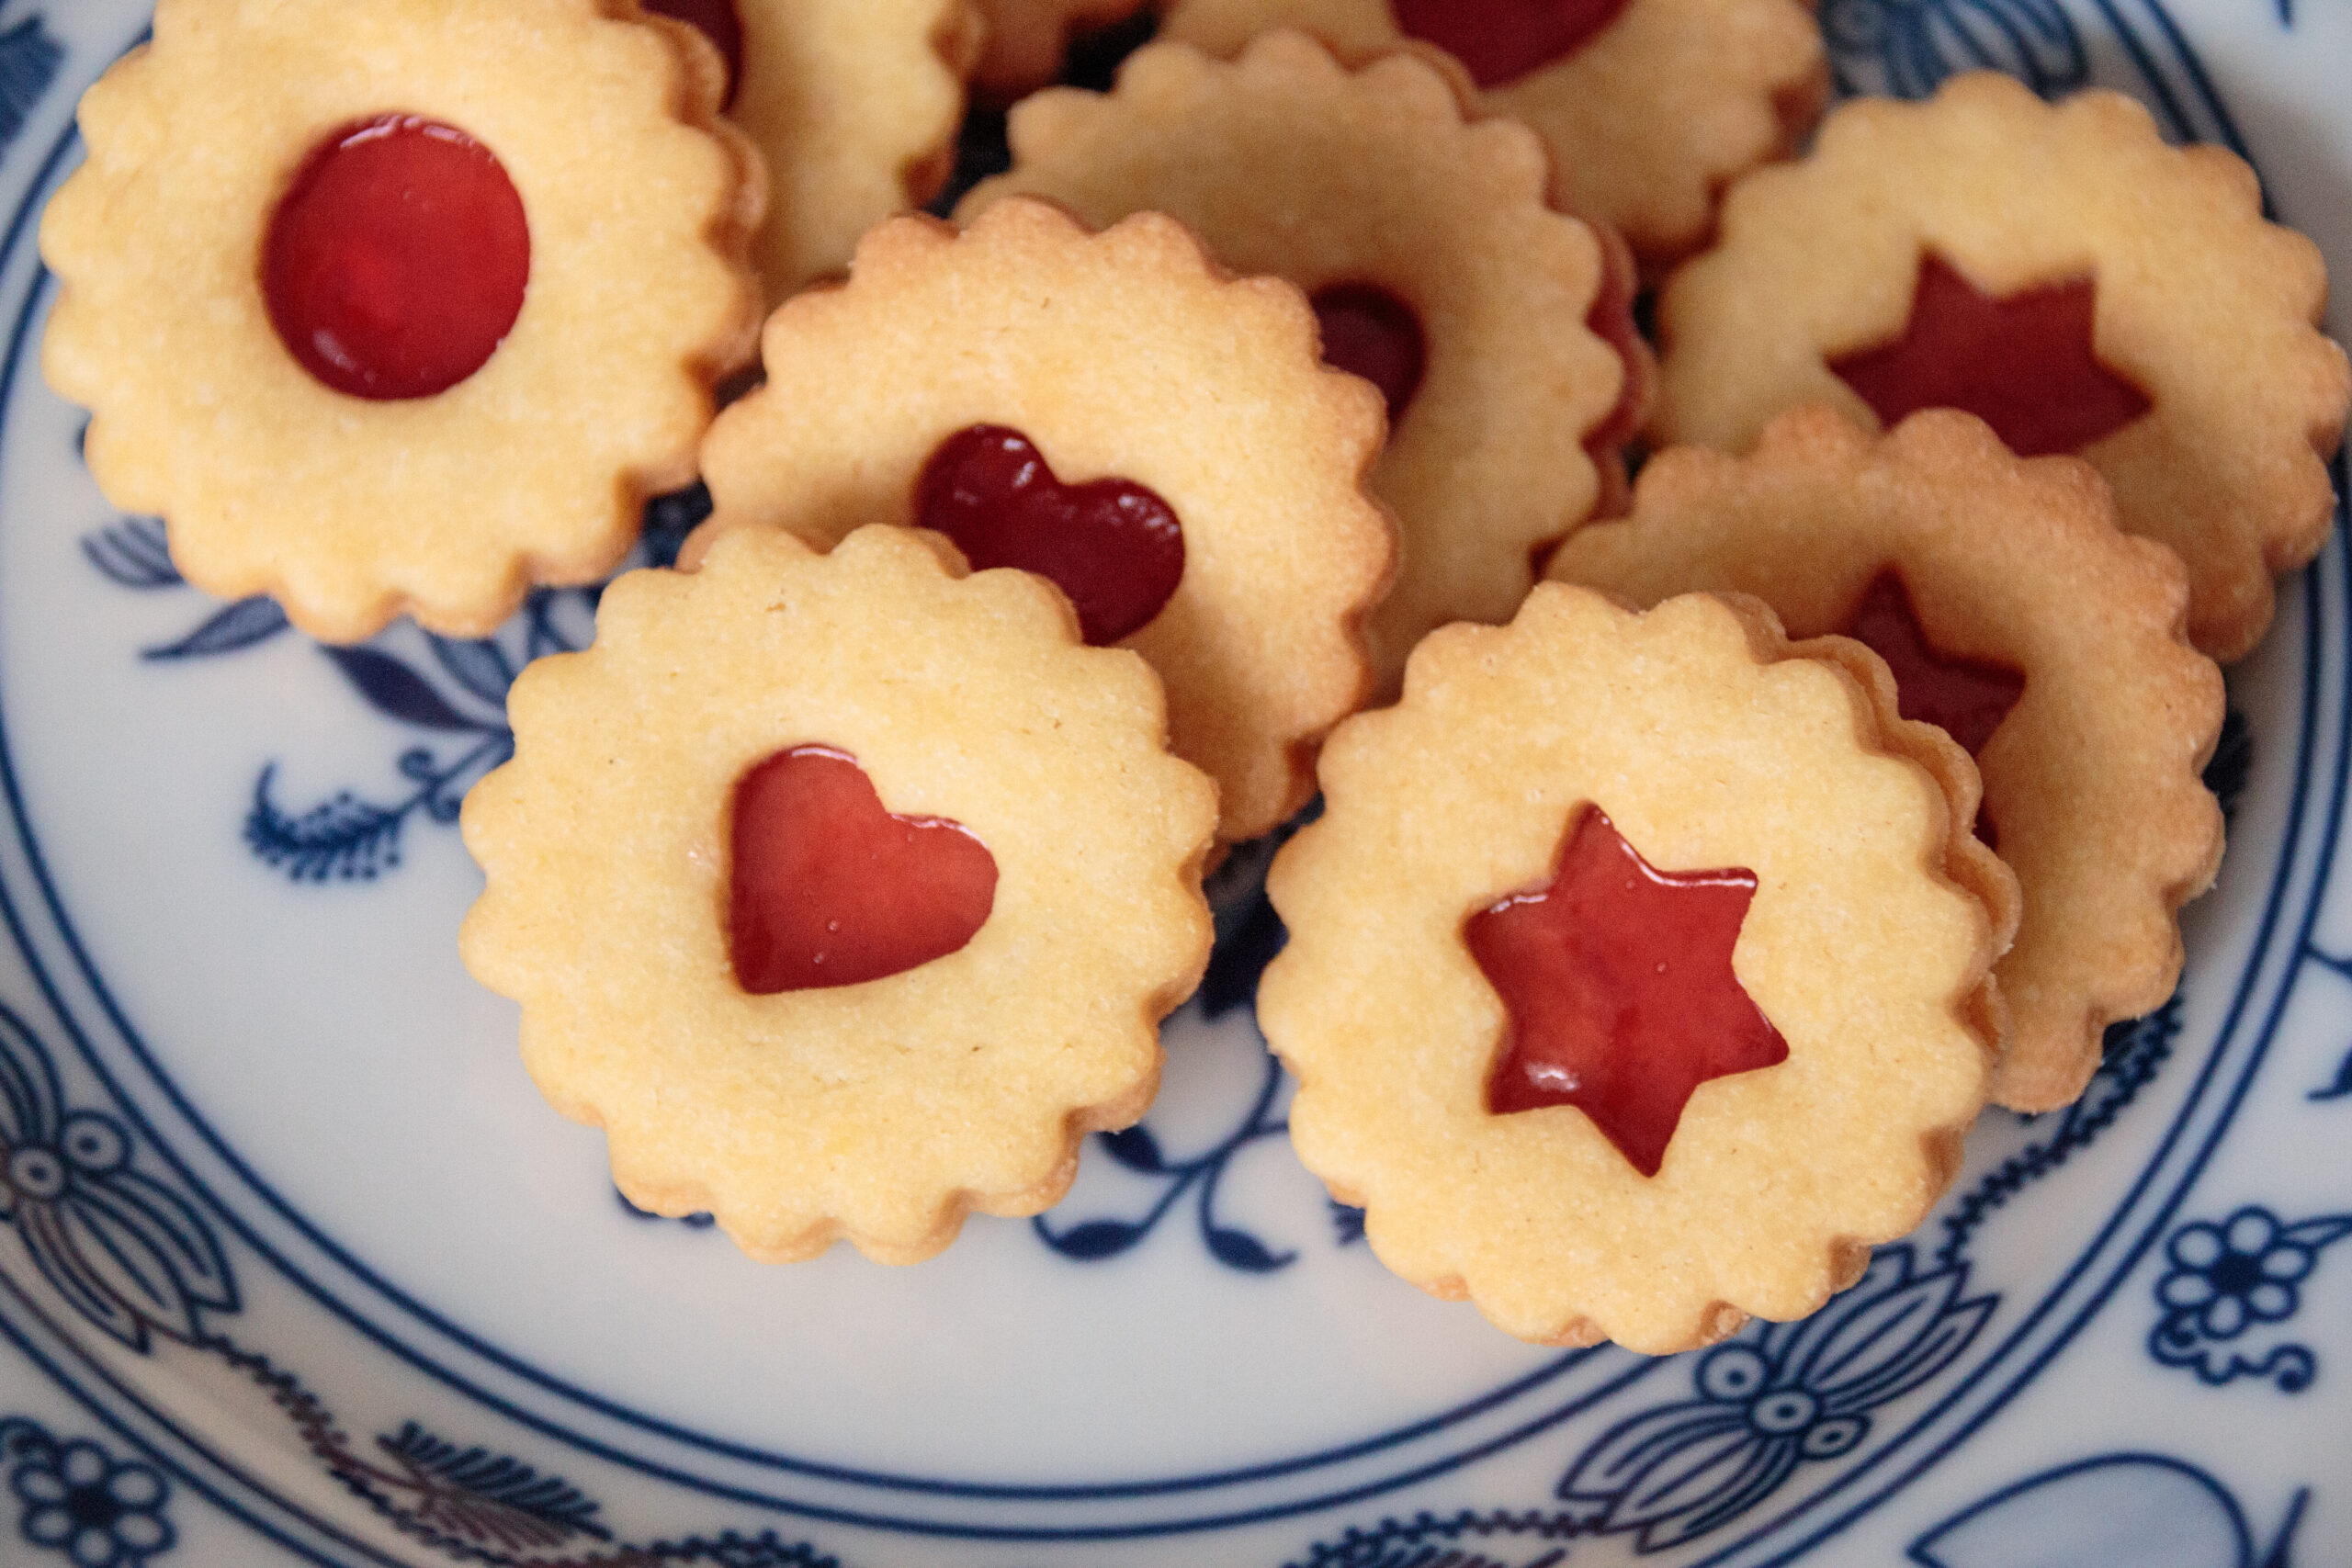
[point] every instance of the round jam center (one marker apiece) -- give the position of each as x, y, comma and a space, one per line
1369, 331
715, 20
2023, 363
1616, 979
827, 888
397, 261
1112, 546
1501, 40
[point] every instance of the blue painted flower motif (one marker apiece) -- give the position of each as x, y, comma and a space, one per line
1771, 1401
2225, 1279
128, 1252
1907, 47
82, 1504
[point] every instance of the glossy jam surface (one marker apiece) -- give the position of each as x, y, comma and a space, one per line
1110, 545
1617, 981
2022, 364
827, 888
397, 261
715, 20
1501, 40
1369, 331
1966, 698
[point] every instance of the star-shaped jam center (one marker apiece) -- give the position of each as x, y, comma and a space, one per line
1617, 982
2023, 363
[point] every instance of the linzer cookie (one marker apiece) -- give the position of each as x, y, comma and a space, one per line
1026, 39
1628, 988
371, 306
844, 892
853, 103
2059, 271
2014, 615
1435, 265
1648, 106
1116, 412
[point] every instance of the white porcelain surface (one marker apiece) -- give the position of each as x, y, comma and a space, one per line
355, 1295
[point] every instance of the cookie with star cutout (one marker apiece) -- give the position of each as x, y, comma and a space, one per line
369, 303
1648, 106
1639, 971
1497, 328
2015, 616
844, 892
2058, 270
1118, 412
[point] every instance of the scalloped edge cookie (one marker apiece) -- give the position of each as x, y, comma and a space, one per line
1647, 122
1709, 741
1283, 161
1128, 353
855, 104
536, 467
2211, 310
800, 1117
2094, 777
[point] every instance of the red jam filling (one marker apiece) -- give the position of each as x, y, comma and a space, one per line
1501, 40
1966, 698
1368, 331
1110, 545
2022, 364
1617, 981
716, 21
827, 888
396, 262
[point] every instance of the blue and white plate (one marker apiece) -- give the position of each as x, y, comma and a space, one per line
295, 1264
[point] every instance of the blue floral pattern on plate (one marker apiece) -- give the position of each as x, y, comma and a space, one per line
150, 1272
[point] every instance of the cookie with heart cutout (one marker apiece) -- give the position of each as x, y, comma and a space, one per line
855, 103
371, 306
844, 892
1648, 106
1498, 330
1639, 971
1112, 410
2059, 270
1026, 40
2016, 618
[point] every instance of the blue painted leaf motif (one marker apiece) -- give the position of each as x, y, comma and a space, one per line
1133, 1148
1766, 1466
395, 690
133, 554
240, 625
29, 62
159, 1258
1907, 48
2319, 1233
2147, 1510
1098, 1239
344, 839
60, 1262
479, 666
1240, 1249
492, 1497
1692, 1444
1347, 1222
1884, 1345
2342, 1085
31, 1100
1426, 1540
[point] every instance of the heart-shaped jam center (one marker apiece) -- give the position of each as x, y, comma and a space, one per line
1369, 331
1501, 40
397, 260
1112, 546
715, 20
1616, 979
1966, 698
827, 888
2023, 363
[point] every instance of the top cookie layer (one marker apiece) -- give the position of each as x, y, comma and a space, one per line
1125, 354
2207, 309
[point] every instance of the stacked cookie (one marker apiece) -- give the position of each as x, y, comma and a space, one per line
1731, 837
